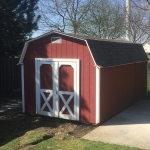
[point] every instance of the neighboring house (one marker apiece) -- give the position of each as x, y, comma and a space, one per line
81, 78
147, 48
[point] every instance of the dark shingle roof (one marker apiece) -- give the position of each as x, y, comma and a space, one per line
108, 53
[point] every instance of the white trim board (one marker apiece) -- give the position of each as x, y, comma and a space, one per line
97, 119
57, 59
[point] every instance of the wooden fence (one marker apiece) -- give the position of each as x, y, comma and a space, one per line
10, 75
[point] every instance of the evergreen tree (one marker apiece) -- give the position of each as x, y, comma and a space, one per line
17, 22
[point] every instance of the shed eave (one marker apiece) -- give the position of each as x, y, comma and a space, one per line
120, 64
23, 53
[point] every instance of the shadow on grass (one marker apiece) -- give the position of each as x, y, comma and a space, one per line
14, 124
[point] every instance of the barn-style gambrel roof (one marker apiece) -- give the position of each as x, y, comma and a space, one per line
106, 53
112, 53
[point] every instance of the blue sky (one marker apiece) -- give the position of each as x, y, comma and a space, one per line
40, 32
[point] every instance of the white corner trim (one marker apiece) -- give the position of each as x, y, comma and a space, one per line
23, 92
23, 53
77, 79
97, 120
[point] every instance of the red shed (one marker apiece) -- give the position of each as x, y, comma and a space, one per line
81, 78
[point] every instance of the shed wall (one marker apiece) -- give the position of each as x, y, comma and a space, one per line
121, 86
69, 48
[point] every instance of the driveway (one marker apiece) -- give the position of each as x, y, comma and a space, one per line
131, 127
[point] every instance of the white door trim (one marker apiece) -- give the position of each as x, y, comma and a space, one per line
53, 62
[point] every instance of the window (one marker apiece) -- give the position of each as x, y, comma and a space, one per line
56, 40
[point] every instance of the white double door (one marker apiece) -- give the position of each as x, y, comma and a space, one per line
57, 87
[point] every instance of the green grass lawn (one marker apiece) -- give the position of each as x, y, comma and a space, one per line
77, 144
35, 141
29, 138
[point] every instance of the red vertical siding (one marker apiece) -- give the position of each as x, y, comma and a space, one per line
46, 77
92, 94
46, 82
69, 48
66, 77
29, 79
66, 83
120, 87
86, 77
141, 79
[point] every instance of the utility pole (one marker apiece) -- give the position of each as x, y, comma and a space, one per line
128, 20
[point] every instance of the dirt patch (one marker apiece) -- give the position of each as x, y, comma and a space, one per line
14, 124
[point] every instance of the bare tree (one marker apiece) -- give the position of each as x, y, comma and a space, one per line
104, 20
63, 15
142, 4
148, 1
139, 23
100, 18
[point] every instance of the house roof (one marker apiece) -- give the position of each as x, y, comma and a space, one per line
146, 47
105, 53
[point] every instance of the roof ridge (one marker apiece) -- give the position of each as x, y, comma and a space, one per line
86, 37
105, 52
